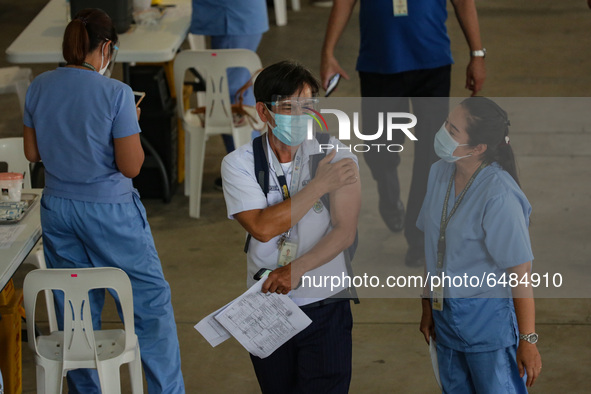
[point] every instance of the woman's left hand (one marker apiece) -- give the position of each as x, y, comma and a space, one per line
529, 361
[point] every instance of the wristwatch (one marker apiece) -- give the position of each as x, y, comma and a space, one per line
531, 338
479, 53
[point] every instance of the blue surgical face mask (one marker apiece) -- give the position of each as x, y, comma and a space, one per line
445, 146
290, 129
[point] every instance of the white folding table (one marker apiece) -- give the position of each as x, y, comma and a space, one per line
11, 258
41, 41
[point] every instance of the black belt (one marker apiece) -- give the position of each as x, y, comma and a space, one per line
344, 295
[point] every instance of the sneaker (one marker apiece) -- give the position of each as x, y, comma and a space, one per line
415, 256
217, 184
393, 216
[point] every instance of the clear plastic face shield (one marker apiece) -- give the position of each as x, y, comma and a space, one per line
113, 50
294, 118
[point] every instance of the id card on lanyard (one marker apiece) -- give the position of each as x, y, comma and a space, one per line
400, 7
288, 247
438, 294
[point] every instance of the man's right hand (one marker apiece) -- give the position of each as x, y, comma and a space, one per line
333, 176
329, 66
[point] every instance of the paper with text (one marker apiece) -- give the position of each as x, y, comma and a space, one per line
211, 330
260, 322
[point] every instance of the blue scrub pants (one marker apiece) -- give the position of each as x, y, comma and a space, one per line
493, 372
78, 234
237, 76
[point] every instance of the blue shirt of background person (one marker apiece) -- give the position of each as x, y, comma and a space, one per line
229, 17
392, 44
87, 172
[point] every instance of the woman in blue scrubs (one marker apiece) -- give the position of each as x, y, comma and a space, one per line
84, 126
479, 304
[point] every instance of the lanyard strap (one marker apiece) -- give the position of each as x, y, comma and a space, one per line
445, 218
295, 176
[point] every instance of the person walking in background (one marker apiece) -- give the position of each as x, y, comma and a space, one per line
404, 52
475, 218
84, 126
232, 24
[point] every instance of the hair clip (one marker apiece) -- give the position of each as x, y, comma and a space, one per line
83, 20
506, 140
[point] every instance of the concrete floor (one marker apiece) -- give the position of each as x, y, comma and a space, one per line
535, 49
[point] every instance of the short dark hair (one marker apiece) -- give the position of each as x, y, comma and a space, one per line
89, 28
285, 79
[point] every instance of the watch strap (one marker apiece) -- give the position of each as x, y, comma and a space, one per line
531, 337
478, 53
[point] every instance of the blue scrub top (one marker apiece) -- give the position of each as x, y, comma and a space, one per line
487, 234
392, 44
229, 17
76, 114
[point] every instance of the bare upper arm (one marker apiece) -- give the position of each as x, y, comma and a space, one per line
129, 155
345, 205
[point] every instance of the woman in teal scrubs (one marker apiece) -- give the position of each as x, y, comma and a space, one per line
478, 306
84, 126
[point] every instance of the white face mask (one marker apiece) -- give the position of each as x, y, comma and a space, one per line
445, 146
103, 69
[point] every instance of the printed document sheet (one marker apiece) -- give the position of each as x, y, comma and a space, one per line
260, 322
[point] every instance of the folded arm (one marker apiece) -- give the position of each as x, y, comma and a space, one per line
265, 224
345, 204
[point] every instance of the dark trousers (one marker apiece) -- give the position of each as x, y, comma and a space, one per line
425, 89
317, 360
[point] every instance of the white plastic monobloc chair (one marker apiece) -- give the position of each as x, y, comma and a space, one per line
212, 65
12, 153
280, 7
79, 345
16, 80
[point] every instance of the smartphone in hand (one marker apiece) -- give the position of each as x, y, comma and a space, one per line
332, 84
261, 273
139, 96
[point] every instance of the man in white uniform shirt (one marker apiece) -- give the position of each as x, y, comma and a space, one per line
291, 217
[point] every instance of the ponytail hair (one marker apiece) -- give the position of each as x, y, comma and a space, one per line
89, 28
488, 124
